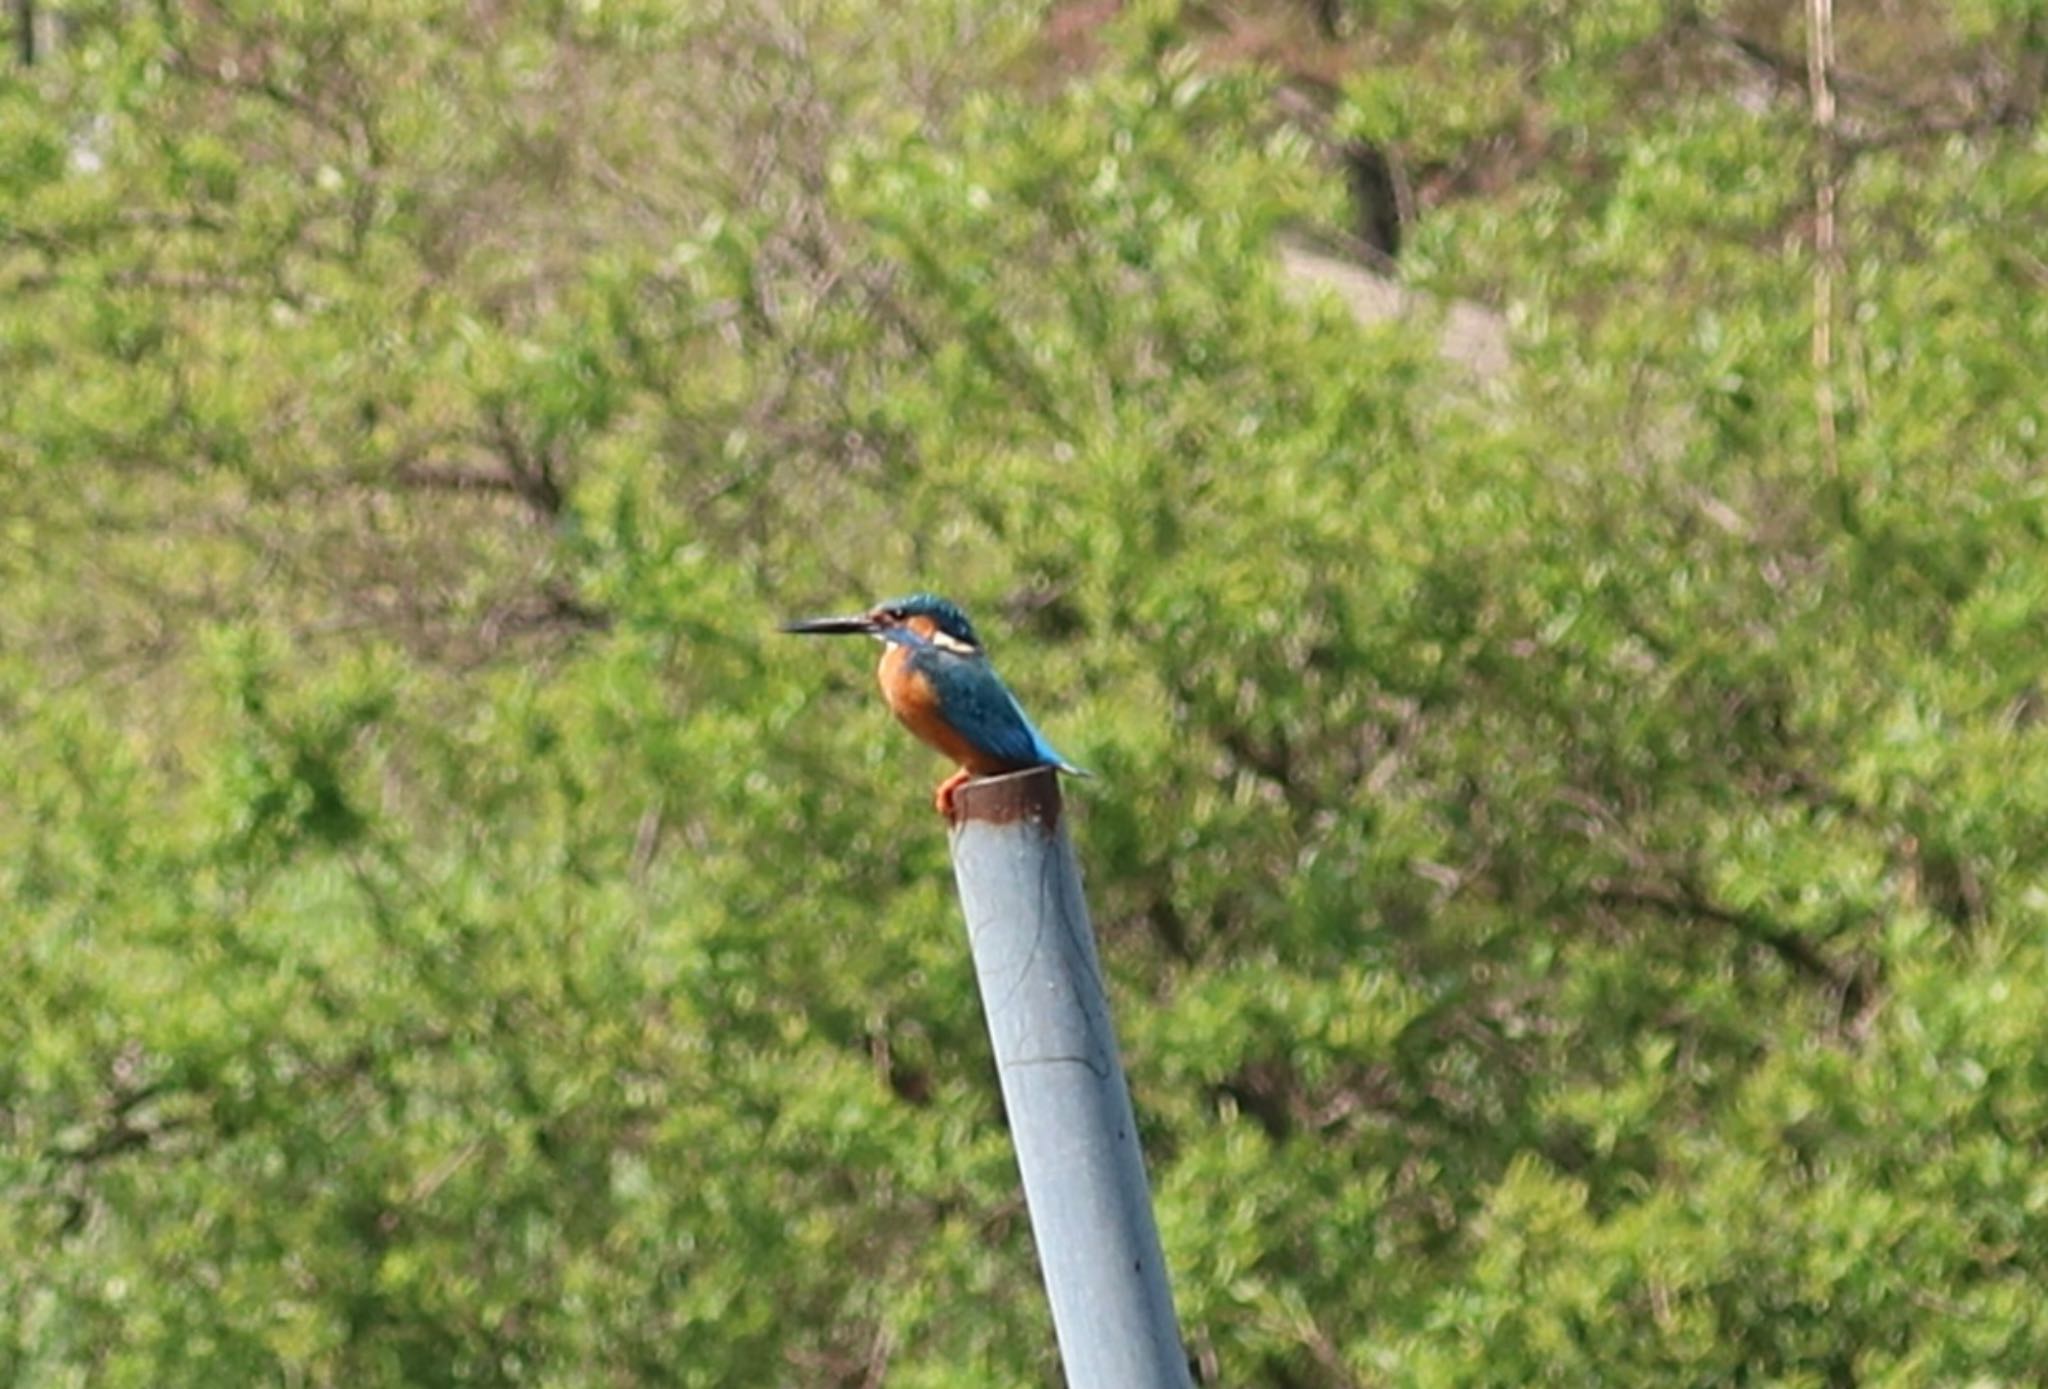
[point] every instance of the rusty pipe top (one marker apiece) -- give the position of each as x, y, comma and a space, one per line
1032, 794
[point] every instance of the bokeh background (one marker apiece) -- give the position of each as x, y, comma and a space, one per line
1536, 512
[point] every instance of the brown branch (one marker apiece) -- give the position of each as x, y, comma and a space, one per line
522, 473
552, 608
1685, 900
1791, 71
1820, 62
167, 220
533, 470
2003, 116
1911, 121
121, 1133
455, 477
194, 283
1273, 762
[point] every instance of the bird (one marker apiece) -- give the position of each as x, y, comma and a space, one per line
936, 676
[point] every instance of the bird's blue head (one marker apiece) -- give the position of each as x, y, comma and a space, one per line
928, 616
921, 618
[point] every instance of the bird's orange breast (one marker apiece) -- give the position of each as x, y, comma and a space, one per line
913, 700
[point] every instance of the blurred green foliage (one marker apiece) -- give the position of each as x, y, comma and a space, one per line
1568, 846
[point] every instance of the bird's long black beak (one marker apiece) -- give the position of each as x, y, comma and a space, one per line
831, 626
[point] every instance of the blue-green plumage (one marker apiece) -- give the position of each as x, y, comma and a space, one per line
976, 704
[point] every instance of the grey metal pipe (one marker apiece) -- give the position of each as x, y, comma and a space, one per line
1063, 1084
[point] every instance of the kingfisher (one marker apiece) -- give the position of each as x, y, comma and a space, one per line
937, 678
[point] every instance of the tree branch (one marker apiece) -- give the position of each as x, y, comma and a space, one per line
1685, 899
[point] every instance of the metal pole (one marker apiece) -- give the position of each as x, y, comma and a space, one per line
1070, 1115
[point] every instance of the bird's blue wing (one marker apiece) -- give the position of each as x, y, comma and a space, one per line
974, 700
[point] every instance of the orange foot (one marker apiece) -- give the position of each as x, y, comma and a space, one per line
944, 799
